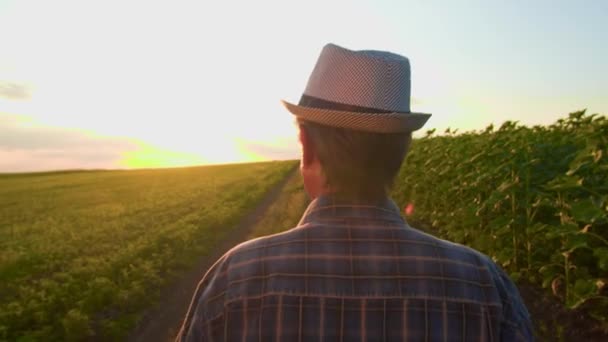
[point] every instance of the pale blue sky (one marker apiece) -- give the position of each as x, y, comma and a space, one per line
161, 83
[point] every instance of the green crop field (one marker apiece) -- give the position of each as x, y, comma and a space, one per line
83, 253
534, 199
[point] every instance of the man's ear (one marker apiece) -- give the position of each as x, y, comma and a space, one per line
308, 154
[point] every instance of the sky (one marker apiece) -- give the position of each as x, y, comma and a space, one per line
131, 84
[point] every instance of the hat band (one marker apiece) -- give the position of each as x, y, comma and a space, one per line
315, 102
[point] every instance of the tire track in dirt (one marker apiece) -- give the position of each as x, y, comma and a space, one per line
162, 323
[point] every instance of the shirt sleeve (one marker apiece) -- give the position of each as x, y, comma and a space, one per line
206, 308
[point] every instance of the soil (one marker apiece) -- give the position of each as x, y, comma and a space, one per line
163, 322
553, 322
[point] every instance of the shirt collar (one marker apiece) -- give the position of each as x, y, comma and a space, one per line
327, 208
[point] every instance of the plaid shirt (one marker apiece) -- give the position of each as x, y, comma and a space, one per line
352, 272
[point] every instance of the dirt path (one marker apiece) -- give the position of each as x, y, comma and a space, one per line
162, 323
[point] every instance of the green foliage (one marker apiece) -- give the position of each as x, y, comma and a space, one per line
286, 211
83, 253
534, 199
76, 326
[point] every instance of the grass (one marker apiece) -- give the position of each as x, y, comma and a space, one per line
82, 254
286, 211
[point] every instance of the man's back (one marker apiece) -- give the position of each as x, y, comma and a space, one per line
355, 272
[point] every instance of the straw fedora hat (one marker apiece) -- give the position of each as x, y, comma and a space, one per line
364, 90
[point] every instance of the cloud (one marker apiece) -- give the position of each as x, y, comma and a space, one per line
26, 146
19, 160
280, 149
14, 91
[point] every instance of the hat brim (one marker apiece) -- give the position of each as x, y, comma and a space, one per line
369, 122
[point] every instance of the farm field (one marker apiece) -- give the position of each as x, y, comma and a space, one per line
535, 199
83, 253
279, 209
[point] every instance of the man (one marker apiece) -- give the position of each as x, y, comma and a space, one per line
353, 270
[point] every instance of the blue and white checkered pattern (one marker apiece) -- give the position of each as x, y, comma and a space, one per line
373, 79
368, 79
